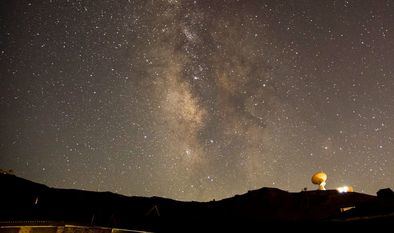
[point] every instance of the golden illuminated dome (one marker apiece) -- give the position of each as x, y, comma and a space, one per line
319, 178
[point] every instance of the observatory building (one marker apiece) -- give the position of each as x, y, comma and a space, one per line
320, 178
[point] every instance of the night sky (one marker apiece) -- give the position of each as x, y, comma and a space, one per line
197, 100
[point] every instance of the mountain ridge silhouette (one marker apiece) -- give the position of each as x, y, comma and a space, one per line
24, 200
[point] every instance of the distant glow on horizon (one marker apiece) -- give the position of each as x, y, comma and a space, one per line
344, 189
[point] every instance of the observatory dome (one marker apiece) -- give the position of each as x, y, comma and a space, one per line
319, 178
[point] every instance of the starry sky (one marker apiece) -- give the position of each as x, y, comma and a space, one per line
197, 100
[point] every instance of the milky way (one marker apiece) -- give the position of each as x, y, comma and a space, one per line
197, 100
